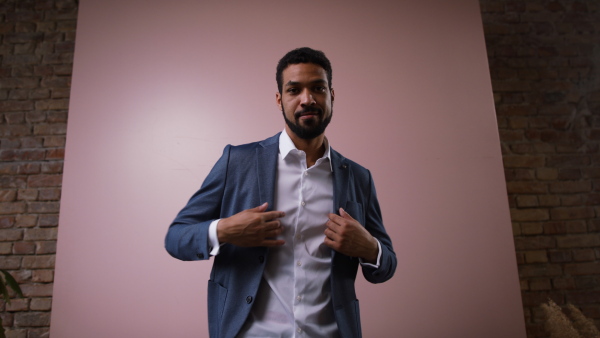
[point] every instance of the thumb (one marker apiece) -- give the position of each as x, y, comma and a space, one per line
262, 207
345, 215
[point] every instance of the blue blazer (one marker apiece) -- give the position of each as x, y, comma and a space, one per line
243, 178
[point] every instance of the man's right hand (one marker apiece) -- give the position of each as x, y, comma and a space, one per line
252, 227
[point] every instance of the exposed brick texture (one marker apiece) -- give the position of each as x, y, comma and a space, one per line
36, 52
544, 59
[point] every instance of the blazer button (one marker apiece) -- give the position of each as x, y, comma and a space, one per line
261, 258
200, 255
249, 299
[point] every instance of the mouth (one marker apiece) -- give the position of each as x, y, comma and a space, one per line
308, 113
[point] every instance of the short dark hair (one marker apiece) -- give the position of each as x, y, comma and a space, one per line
302, 55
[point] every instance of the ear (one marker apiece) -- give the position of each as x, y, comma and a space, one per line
332, 95
278, 100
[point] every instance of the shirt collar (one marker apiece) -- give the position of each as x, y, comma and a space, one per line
286, 145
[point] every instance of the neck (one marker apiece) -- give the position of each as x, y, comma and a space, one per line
314, 148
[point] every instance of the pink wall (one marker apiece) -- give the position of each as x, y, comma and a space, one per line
160, 87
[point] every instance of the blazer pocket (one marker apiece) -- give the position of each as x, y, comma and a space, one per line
356, 211
217, 295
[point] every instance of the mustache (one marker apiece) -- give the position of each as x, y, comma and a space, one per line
308, 110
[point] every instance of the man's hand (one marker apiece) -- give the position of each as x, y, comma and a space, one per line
345, 235
252, 227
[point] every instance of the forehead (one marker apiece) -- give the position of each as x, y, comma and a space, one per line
304, 72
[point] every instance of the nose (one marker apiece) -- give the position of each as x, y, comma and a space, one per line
306, 99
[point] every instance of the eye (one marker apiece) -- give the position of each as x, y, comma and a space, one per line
292, 90
320, 89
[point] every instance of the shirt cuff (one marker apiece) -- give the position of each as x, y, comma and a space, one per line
376, 265
213, 240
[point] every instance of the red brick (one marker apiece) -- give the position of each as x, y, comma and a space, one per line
578, 241
567, 161
519, 187
588, 268
43, 207
5, 248
583, 297
49, 194
7, 222
38, 262
23, 248
10, 235
570, 187
10, 262
546, 174
540, 270
34, 319
525, 201
41, 304
539, 256
18, 305
584, 255
534, 243
40, 234
538, 284
523, 161
52, 167
532, 228
37, 290
563, 283
549, 200
48, 220
571, 213
27, 194
39, 181
529, 215
42, 276
26, 221
560, 256
45, 247
7, 195
50, 129
55, 154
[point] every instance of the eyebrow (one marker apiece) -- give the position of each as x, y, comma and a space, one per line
296, 83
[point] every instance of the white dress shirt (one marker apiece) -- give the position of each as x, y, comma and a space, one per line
294, 298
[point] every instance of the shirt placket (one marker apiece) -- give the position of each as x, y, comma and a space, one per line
299, 256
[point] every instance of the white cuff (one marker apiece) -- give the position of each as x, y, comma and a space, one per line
376, 265
213, 240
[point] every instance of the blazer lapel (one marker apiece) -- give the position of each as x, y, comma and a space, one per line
266, 165
341, 173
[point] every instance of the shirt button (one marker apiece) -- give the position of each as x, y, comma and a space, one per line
298, 297
306, 173
299, 263
299, 330
249, 299
303, 203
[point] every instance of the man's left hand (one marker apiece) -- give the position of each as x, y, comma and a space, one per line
345, 235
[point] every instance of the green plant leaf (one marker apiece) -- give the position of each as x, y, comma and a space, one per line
10, 281
4, 291
2, 335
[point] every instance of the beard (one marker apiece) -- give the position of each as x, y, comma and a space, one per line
311, 128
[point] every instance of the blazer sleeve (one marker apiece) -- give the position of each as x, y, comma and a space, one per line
374, 224
187, 237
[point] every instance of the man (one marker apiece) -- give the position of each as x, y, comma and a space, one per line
288, 221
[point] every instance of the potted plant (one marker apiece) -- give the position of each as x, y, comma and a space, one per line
7, 280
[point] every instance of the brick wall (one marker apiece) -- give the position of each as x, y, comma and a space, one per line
36, 53
545, 65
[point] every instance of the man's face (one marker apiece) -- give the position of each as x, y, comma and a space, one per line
305, 100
